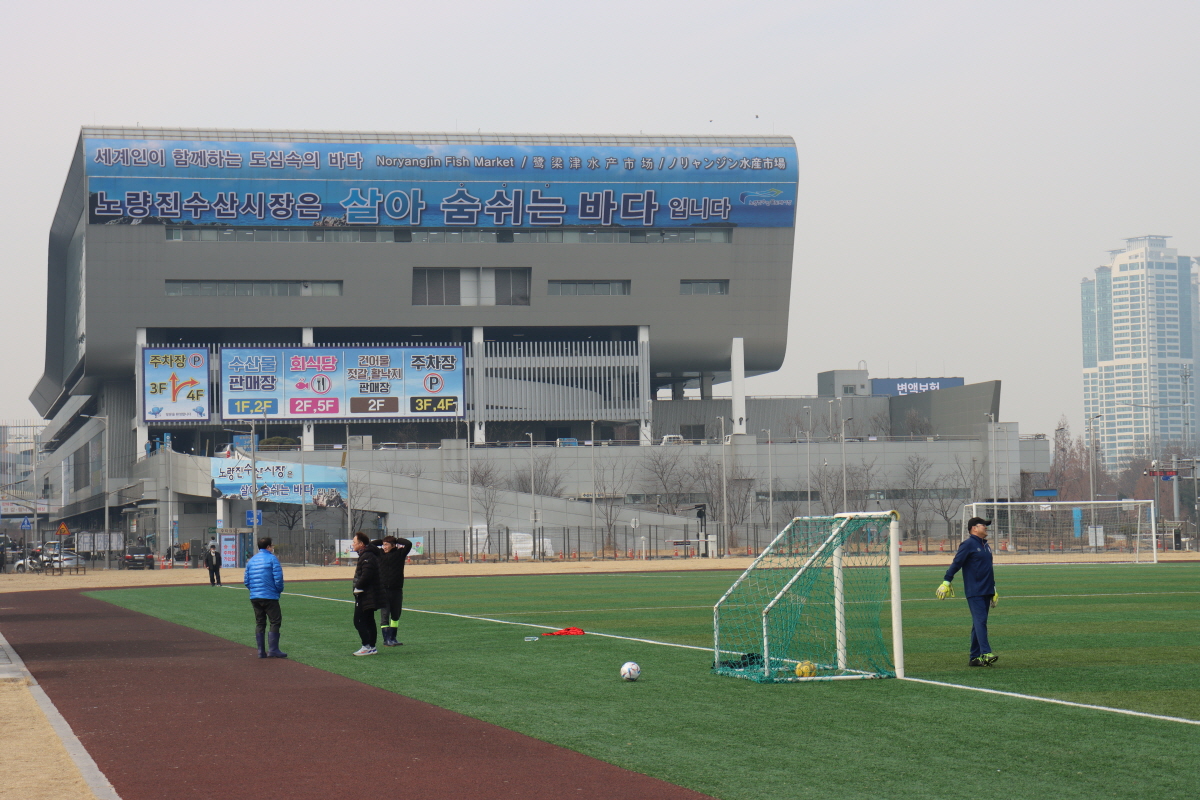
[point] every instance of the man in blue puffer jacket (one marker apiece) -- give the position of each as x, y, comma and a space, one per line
264, 579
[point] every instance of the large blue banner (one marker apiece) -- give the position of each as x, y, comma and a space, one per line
323, 383
279, 482
174, 384
443, 185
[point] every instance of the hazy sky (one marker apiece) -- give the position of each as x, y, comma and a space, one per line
962, 164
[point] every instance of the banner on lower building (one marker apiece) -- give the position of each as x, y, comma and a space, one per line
280, 482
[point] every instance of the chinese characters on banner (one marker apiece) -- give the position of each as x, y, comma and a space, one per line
253, 184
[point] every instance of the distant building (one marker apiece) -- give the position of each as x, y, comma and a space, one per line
1139, 345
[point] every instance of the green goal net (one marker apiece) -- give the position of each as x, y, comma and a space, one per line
814, 605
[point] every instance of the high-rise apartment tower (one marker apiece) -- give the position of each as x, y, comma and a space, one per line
1141, 335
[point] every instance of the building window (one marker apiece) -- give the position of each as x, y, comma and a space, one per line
704, 287
471, 286
436, 287
512, 287
216, 233
571, 288
197, 288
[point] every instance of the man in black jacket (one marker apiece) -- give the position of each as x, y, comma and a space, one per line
368, 593
212, 560
391, 571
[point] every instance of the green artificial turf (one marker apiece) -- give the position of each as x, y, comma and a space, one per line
1121, 636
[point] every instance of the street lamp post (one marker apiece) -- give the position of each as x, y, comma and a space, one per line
1092, 464
808, 460
593, 455
107, 549
845, 488
724, 487
532, 501
770, 484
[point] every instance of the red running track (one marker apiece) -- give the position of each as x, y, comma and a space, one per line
171, 712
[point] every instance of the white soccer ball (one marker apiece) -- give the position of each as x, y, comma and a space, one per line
630, 671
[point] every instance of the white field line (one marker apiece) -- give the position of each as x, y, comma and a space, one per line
1056, 702
518, 624
708, 649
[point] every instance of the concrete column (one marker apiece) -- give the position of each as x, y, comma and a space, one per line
306, 337
646, 433
478, 386
141, 432
676, 387
222, 513
706, 382
307, 437
737, 367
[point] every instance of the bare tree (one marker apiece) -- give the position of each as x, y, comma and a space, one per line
880, 424
970, 474
665, 474
947, 499
613, 479
916, 485
860, 484
827, 481
287, 515
916, 424
548, 480
797, 504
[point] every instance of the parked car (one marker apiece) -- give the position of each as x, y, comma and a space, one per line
673, 438
137, 558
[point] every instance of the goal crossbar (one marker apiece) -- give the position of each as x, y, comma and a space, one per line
826, 555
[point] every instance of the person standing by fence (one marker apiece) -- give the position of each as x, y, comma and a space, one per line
391, 574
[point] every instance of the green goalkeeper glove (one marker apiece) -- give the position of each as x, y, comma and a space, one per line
995, 598
944, 591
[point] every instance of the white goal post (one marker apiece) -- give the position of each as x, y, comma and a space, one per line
1101, 531
812, 605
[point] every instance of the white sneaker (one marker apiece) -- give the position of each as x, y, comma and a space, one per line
364, 651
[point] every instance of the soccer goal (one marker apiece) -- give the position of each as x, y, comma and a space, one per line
1112, 531
812, 605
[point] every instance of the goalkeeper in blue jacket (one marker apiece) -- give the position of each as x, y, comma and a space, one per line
974, 558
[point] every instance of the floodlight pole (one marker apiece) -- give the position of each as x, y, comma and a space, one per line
107, 549
770, 483
845, 488
808, 459
1092, 465
593, 454
724, 489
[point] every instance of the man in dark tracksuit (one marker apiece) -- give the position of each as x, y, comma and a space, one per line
368, 593
974, 558
391, 573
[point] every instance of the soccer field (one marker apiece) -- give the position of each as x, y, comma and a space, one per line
1122, 637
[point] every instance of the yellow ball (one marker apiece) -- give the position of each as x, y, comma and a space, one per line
806, 669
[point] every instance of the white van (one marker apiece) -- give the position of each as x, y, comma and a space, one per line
673, 438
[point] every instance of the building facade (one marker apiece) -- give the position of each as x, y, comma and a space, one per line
1140, 335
